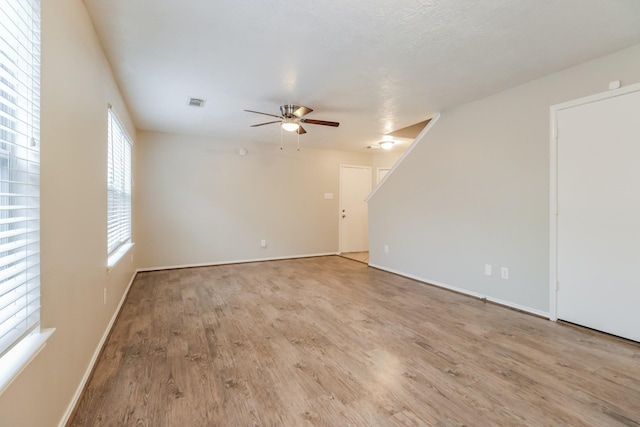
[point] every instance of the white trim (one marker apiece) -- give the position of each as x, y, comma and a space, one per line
465, 291
94, 359
378, 170
348, 165
553, 218
597, 97
418, 139
553, 185
117, 255
242, 261
19, 357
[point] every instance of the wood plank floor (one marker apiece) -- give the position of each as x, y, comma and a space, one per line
331, 342
357, 256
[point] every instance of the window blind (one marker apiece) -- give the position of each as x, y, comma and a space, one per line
119, 186
19, 170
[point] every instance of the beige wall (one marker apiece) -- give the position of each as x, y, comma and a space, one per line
475, 190
198, 201
77, 85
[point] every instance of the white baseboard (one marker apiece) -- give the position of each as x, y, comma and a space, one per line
94, 358
242, 261
466, 292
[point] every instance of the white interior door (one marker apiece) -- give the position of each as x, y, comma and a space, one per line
355, 186
598, 222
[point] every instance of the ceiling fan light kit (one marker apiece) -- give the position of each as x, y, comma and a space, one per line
290, 125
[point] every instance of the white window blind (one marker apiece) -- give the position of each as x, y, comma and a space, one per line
19, 170
119, 186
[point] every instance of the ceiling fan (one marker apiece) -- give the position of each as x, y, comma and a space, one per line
291, 118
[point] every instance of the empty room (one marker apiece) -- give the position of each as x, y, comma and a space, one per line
364, 213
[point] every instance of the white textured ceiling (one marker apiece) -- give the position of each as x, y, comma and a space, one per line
372, 65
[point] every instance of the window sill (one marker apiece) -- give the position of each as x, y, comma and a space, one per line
14, 362
117, 255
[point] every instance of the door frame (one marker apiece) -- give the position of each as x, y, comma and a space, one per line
378, 170
344, 165
553, 182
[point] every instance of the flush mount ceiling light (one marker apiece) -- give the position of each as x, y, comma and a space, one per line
290, 125
387, 145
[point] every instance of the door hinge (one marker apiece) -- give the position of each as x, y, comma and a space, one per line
557, 285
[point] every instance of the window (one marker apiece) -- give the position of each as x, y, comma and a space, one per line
19, 172
118, 191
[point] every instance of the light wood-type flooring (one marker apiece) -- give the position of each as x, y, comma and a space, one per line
332, 342
357, 256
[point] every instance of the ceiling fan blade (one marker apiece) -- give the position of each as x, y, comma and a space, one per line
302, 111
301, 130
320, 122
267, 123
266, 114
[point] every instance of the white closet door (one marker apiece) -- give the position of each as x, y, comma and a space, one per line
599, 215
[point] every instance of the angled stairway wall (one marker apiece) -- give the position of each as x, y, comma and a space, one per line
474, 190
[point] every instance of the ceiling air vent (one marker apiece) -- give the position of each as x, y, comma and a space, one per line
196, 102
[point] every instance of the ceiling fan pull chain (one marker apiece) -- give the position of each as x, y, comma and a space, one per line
281, 138
298, 140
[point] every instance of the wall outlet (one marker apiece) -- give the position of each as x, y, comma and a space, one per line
263, 243
488, 270
386, 249
504, 272
104, 297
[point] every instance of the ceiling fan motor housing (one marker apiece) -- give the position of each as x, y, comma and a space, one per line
290, 110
